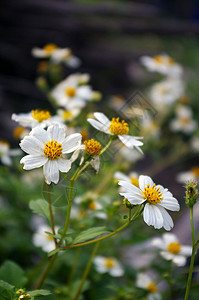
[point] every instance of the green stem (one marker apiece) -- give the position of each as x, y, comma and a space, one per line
107, 146
51, 212
45, 272
192, 256
86, 271
74, 266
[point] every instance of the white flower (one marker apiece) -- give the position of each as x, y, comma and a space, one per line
156, 199
162, 64
195, 143
108, 265
144, 282
44, 240
183, 121
68, 115
171, 249
165, 93
131, 178
6, 153
35, 118
149, 127
48, 148
131, 155
57, 55
20, 132
117, 128
71, 93
191, 175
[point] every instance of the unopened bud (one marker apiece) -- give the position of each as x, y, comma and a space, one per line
191, 193
127, 203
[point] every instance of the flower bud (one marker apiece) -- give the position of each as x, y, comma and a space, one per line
191, 193
127, 203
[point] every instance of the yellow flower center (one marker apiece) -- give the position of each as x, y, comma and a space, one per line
49, 48
53, 149
67, 114
117, 127
174, 248
92, 147
135, 181
49, 237
195, 171
185, 120
18, 131
109, 263
152, 287
164, 60
20, 291
152, 194
41, 115
92, 205
70, 91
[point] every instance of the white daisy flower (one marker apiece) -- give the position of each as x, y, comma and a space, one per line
6, 153
47, 148
20, 132
156, 199
57, 55
183, 121
165, 93
149, 127
171, 249
162, 64
68, 115
195, 143
108, 265
42, 239
145, 282
132, 177
35, 118
130, 155
191, 175
116, 128
70, 93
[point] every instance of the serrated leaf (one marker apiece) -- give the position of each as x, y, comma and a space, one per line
40, 207
39, 293
53, 252
90, 233
13, 274
5, 285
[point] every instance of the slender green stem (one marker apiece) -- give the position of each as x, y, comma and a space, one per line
45, 272
86, 271
51, 212
107, 146
74, 266
192, 256
66, 177
130, 213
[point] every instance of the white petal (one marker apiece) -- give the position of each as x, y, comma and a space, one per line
95, 163
133, 200
121, 176
130, 187
31, 145
6, 160
152, 216
143, 280
102, 118
33, 161
144, 181
169, 238
168, 222
186, 250
85, 92
99, 126
116, 271
179, 260
64, 165
170, 203
51, 172
71, 143
129, 141
40, 134
56, 132
167, 255
157, 242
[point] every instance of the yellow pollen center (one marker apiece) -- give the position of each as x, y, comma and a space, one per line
152, 287
49, 48
174, 248
92, 205
92, 147
49, 237
67, 114
164, 60
195, 171
135, 181
117, 127
152, 194
41, 115
53, 149
18, 131
109, 263
70, 91
20, 291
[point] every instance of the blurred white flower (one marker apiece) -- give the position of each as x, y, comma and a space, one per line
43, 239
130, 155
6, 153
171, 249
183, 121
162, 64
108, 265
156, 198
195, 143
73, 92
149, 128
20, 132
145, 282
115, 128
48, 148
132, 177
68, 115
165, 93
191, 175
57, 55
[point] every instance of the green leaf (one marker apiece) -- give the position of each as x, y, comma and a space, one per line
5, 285
90, 233
57, 236
13, 274
39, 293
53, 252
40, 207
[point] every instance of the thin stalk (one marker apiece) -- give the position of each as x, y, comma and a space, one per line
107, 146
86, 271
192, 256
74, 266
51, 212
